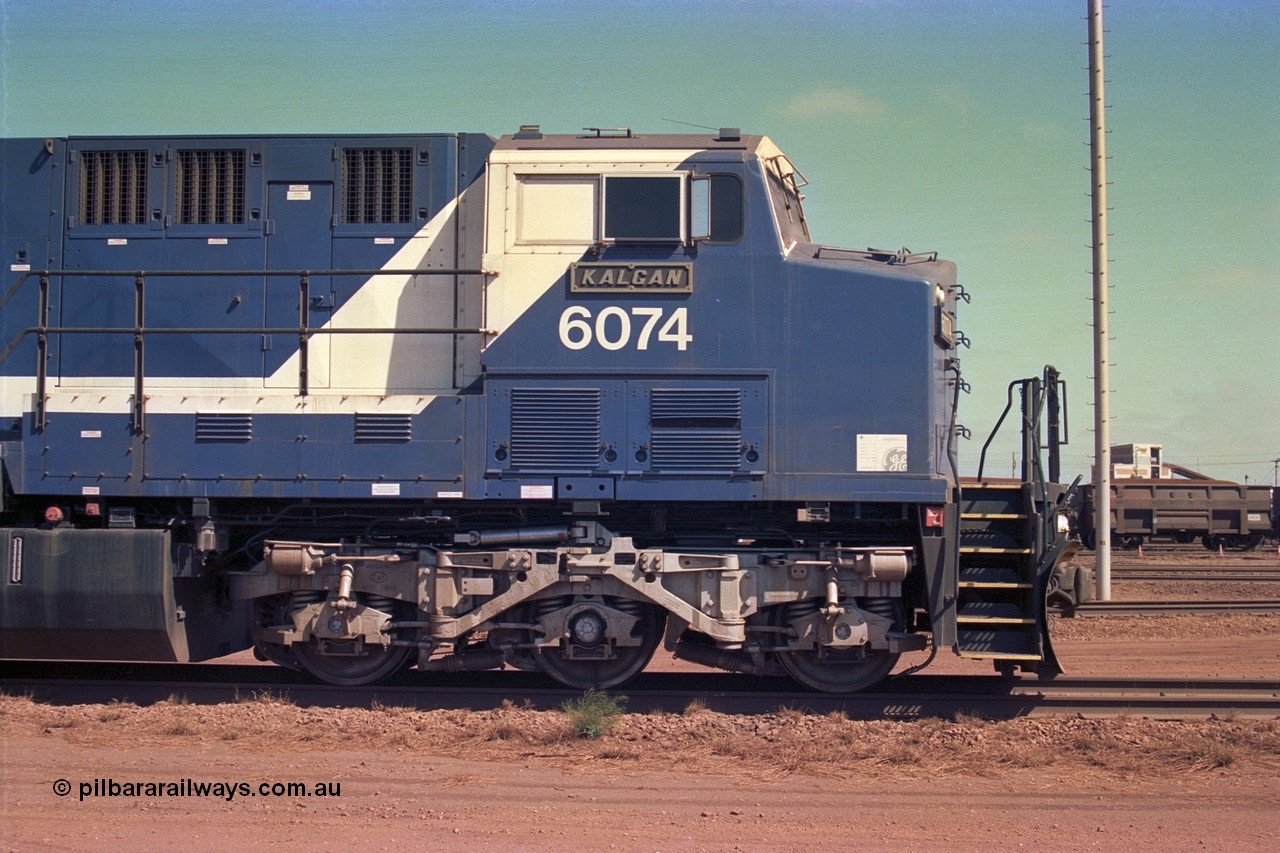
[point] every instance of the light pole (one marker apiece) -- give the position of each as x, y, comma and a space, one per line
1101, 356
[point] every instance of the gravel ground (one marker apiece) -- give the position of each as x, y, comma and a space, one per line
517, 779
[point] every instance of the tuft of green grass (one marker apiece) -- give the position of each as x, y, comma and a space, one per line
181, 728
595, 713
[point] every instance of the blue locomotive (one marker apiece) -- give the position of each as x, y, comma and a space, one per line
547, 401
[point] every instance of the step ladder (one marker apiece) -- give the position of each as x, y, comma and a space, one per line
998, 607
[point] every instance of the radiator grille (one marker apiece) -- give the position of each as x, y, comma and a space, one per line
380, 428
210, 187
555, 429
224, 427
113, 187
377, 185
696, 407
696, 429
696, 450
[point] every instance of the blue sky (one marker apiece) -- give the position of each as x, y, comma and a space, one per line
937, 124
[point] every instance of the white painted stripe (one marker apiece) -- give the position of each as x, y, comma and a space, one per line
257, 404
394, 363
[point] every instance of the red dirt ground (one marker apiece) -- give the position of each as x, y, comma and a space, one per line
514, 779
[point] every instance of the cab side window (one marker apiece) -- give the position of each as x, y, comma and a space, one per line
643, 208
726, 209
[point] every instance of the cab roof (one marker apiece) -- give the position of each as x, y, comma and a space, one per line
531, 138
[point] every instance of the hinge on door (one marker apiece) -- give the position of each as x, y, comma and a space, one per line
266, 343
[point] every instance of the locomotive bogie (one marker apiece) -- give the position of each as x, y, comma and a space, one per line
574, 610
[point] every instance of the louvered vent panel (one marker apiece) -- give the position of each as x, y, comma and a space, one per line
696, 406
555, 429
377, 185
221, 426
696, 429
209, 187
113, 187
696, 449
383, 428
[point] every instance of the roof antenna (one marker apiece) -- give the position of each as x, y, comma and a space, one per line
689, 124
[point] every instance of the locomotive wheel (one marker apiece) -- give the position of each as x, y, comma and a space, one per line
840, 670
588, 674
278, 655
348, 670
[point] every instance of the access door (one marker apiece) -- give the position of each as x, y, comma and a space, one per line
299, 237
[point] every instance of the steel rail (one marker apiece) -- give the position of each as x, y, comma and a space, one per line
1148, 608
1179, 574
1184, 577
913, 697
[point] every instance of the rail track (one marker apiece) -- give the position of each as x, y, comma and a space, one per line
1190, 608
917, 696
1195, 574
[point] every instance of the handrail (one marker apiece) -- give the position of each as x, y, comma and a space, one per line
26, 274
982, 457
1043, 407
304, 330
257, 330
1036, 393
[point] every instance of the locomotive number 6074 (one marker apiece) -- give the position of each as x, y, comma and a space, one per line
614, 328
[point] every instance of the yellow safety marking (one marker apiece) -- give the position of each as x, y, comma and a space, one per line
995, 620
974, 549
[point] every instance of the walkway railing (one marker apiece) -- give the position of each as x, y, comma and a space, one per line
140, 332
